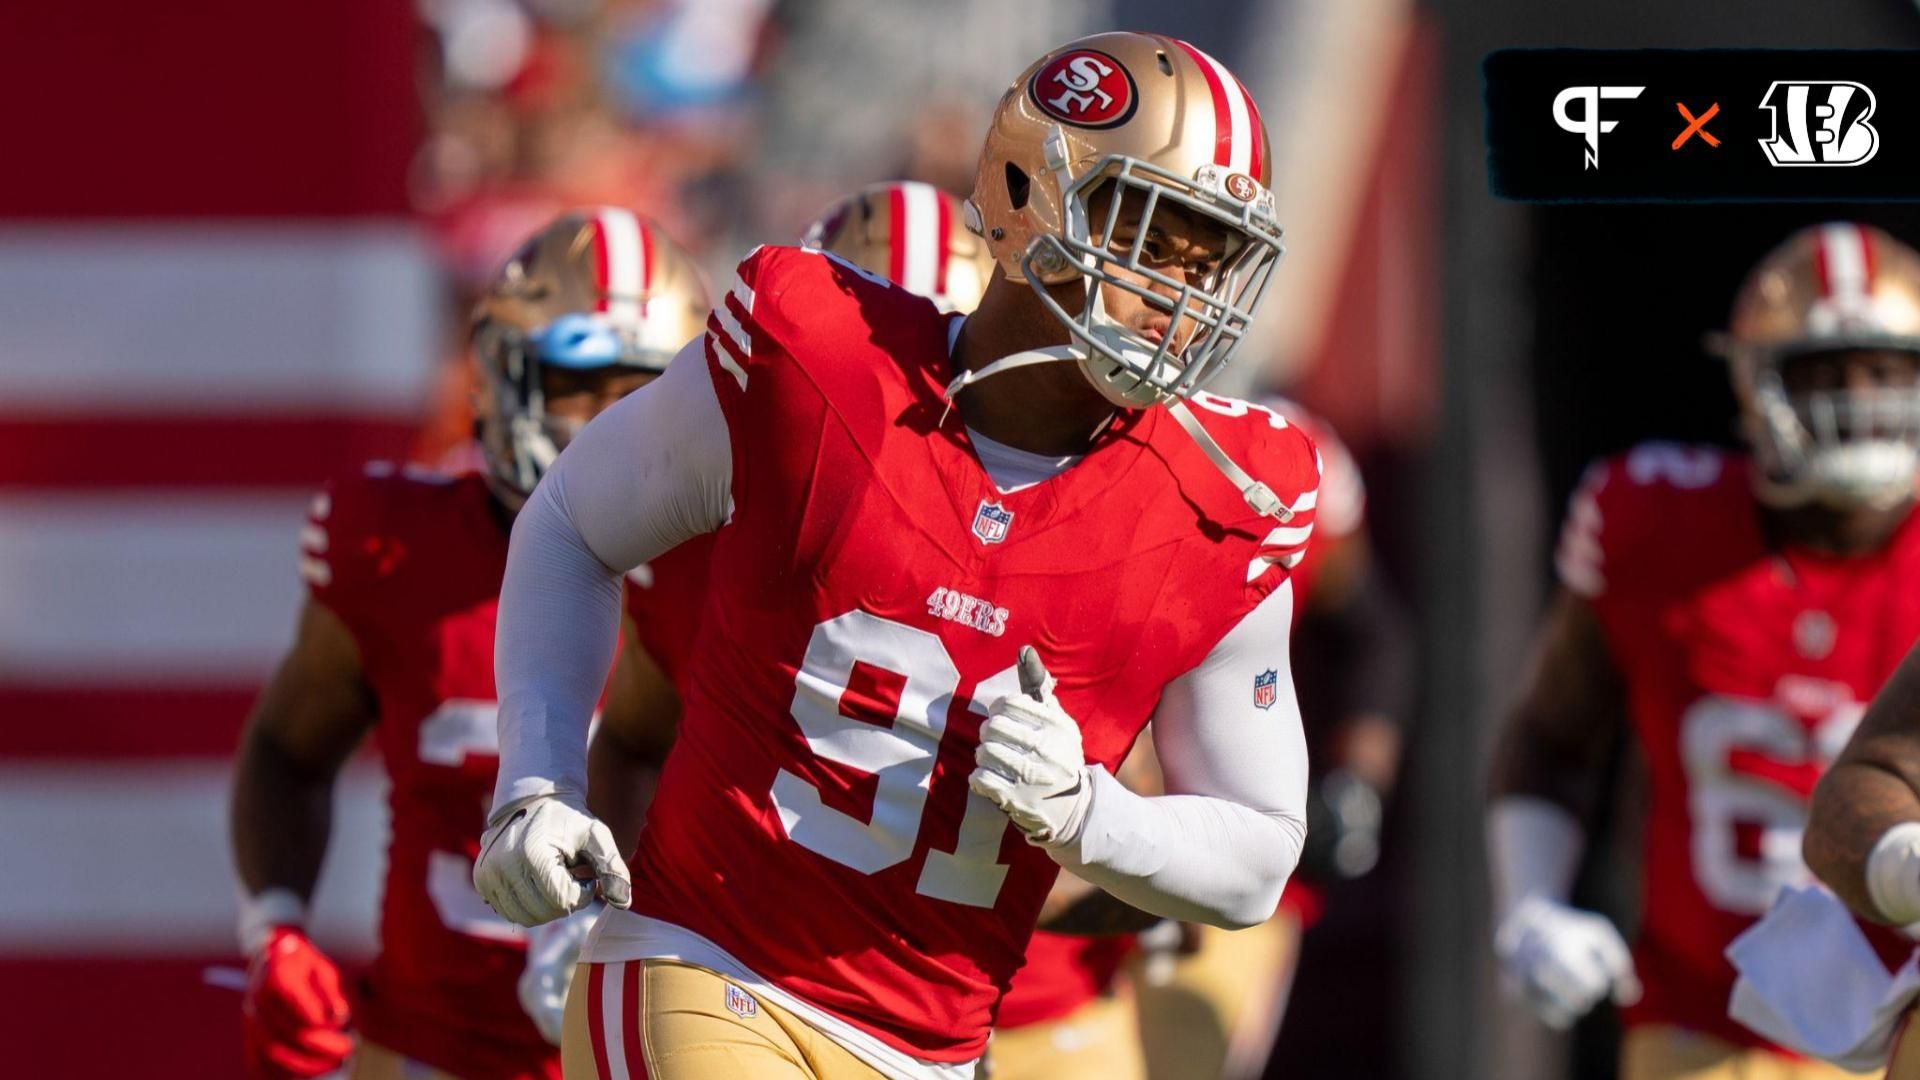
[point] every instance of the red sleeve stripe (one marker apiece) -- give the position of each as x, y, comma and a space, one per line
1233, 115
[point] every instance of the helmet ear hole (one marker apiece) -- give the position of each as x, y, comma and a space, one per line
1018, 187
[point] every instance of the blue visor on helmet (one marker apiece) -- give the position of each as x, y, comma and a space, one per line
582, 340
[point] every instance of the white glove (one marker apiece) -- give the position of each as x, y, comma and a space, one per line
1029, 761
552, 951
1562, 961
528, 856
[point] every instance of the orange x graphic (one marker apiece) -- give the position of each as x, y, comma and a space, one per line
1697, 125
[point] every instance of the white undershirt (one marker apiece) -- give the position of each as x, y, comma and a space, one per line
655, 470
1013, 469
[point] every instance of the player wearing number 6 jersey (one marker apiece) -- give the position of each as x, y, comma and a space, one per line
403, 571
1736, 611
960, 562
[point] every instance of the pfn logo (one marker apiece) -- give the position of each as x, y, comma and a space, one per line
1588, 124
1825, 123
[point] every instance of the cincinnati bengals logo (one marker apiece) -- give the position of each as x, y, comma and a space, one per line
1085, 88
1242, 187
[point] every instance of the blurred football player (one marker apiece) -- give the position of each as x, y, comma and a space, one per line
1735, 610
1211, 1001
403, 573
960, 563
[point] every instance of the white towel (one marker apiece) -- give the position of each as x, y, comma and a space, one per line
1810, 980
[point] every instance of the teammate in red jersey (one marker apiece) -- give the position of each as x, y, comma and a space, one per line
396, 638
1736, 610
960, 563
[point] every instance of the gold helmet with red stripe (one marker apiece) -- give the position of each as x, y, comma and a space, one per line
912, 234
1830, 288
1163, 125
596, 288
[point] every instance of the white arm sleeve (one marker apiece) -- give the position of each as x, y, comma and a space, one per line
1219, 847
1533, 848
650, 472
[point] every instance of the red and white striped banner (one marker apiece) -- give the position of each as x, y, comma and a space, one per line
211, 299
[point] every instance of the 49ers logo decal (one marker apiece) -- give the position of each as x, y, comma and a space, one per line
1086, 88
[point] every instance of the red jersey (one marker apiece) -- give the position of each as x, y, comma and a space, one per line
1064, 972
411, 562
813, 834
1746, 667
664, 598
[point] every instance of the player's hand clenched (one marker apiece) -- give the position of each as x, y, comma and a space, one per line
295, 1013
528, 856
1030, 763
1563, 961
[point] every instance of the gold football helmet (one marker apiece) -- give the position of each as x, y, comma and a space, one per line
596, 288
1163, 124
912, 234
1828, 288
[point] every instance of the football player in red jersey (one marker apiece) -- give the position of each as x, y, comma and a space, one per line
1736, 610
960, 563
1063, 1016
403, 572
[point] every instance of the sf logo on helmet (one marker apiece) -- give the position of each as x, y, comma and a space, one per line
1085, 88
1819, 123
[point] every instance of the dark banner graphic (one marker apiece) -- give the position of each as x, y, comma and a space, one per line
1673, 125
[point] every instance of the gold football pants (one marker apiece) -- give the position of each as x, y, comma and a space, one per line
664, 1020
1659, 1052
1217, 1013
1098, 1041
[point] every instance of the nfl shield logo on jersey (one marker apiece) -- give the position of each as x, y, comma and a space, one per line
741, 1004
1266, 688
990, 522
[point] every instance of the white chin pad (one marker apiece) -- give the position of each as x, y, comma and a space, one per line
1123, 384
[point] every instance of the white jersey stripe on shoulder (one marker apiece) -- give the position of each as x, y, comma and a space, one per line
737, 334
725, 359
1844, 253
921, 265
620, 232
313, 539
1288, 536
1241, 159
743, 293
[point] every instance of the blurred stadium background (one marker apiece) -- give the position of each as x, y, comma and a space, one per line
237, 242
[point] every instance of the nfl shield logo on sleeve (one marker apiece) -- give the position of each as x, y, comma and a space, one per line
1266, 688
990, 522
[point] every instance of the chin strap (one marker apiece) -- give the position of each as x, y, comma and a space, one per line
1053, 354
1258, 495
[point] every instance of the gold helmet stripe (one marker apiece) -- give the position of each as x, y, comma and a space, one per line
1843, 262
622, 258
1236, 120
